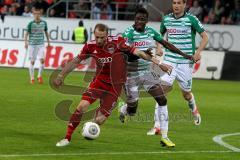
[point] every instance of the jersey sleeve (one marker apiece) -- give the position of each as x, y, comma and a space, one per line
85, 53
196, 24
163, 28
157, 36
127, 35
46, 27
29, 27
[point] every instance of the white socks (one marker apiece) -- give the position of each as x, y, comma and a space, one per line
123, 109
31, 71
163, 118
192, 103
156, 118
40, 70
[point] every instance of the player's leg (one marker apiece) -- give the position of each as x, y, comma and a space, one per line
41, 65
184, 78
166, 84
189, 97
74, 122
88, 97
131, 90
157, 92
32, 58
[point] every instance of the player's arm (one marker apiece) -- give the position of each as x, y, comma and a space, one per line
47, 36
86, 35
26, 39
174, 49
70, 66
203, 44
148, 55
26, 36
159, 50
196, 25
158, 38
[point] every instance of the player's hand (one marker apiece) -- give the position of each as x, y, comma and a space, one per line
166, 68
196, 57
159, 53
58, 81
149, 51
26, 45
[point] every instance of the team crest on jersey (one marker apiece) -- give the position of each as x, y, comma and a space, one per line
110, 47
183, 23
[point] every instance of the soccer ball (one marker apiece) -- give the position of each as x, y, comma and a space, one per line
90, 130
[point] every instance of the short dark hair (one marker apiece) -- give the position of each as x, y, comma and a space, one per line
141, 10
184, 1
101, 27
80, 23
37, 6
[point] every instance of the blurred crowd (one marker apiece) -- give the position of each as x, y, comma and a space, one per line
216, 11
208, 11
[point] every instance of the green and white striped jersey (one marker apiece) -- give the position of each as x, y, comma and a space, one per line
181, 32
36, 32
142, 41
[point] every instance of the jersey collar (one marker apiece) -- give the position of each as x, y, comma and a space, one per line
179, 17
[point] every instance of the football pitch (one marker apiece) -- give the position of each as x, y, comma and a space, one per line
30, 127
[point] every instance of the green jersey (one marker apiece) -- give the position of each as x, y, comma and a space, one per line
142, 41
36, 32
181, 32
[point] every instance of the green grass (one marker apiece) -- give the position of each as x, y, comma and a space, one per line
29, 125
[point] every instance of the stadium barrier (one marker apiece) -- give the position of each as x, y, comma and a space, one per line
231, 67
13, 53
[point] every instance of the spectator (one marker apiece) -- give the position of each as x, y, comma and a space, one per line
60, 9
52, 13
95, 9
106, 10
43, 4
29, 4
196, 9
27, 12
80, 34
218, 10
211, 18
234, 17
3, 12
82, 9
121, 6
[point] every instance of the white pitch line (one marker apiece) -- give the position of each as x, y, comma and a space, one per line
107, 153
218, 140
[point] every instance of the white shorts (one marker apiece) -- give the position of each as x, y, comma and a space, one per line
133, 85
36, 52
182, 73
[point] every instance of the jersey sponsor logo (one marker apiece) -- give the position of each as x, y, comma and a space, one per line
178, 31
142, 43
105, 60
36, 30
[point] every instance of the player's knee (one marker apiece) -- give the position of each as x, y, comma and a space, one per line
132, 108
161, 100
187, 96
83, 106
167, 88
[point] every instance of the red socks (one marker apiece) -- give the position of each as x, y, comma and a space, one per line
73, 123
